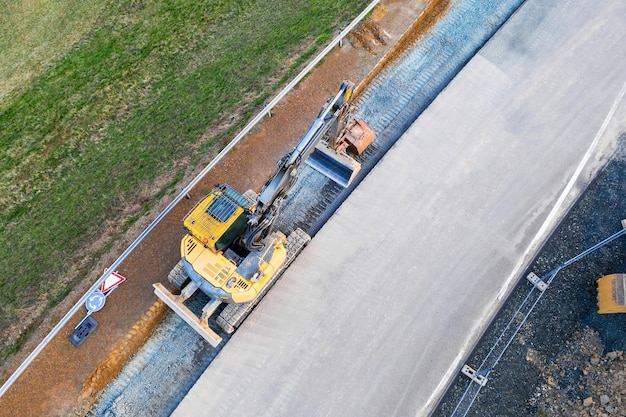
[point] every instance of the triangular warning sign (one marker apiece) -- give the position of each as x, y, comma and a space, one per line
111, 281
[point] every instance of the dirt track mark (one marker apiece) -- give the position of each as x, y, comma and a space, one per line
432, 14
367, 35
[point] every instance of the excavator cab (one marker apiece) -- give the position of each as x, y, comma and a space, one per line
214, 256
219, 219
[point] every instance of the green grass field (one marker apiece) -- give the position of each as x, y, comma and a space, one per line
98, 99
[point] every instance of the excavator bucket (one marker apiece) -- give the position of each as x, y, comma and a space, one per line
612, 294
337, 166
332, 159
357, 137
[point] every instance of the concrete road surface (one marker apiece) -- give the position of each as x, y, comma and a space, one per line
378, 313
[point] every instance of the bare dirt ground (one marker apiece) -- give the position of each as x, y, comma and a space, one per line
63, 380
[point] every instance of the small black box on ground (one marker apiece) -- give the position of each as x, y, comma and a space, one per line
84, 329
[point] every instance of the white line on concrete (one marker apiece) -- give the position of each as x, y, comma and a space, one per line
547, 225
553, 213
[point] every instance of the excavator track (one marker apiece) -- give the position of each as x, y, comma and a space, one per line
177, 276
234, 314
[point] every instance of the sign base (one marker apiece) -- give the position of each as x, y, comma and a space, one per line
83, 330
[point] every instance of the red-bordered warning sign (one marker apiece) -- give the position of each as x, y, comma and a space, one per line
111, 282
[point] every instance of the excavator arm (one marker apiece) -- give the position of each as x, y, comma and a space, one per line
276, 189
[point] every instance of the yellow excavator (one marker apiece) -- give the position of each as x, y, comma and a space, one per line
230, 251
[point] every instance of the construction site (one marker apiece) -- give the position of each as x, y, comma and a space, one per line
368, 238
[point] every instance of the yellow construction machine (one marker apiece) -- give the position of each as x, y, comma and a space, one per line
230, 251
612, 294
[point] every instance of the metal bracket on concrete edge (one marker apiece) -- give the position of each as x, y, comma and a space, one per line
537, 282
477, 377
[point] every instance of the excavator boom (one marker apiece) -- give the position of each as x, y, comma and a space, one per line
327, 117
283, 179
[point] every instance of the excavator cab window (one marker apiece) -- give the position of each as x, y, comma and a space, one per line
233, 232
221, 209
